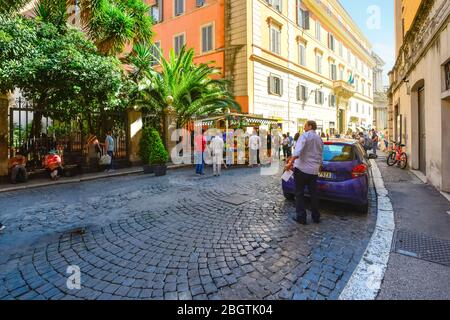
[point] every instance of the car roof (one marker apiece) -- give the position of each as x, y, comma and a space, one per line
341, 141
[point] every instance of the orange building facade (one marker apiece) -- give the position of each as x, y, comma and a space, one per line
198, 24
191, 22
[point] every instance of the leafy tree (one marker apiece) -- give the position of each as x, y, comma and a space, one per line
62, 73
193, 88
17, 41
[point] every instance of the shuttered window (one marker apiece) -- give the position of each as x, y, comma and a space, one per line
275, 84
332, 100
155, 51
318, 63
277, 4
333, 72
275, 41
302, 93
207, 38
302, 16
318, 31
302, 54
178, 43
179, 7
331, 42
319, 97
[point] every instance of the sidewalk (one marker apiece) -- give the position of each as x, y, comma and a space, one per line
419, 262
42, 182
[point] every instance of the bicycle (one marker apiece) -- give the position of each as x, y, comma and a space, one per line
397, 156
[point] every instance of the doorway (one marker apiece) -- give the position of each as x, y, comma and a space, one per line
422, 131
341, 123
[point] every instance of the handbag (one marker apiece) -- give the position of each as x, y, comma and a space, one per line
105, 160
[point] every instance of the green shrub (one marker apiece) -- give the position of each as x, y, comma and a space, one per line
144, 145
158, 154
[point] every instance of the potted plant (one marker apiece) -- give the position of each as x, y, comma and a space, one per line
158, 155
144, 150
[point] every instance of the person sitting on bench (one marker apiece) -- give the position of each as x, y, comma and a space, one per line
53, 164
17, 166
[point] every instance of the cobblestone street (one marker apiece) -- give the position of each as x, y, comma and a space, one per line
176, 237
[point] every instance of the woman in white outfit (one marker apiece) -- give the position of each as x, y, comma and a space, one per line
217, 145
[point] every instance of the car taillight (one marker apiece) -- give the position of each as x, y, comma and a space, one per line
359, 171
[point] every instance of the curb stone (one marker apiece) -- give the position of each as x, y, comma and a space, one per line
82, 179
365, 282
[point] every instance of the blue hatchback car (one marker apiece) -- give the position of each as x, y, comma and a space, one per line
344, 176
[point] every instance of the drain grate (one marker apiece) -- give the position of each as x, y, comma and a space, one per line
422, 247
236, 200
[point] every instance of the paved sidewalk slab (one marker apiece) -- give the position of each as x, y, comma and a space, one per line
422, 212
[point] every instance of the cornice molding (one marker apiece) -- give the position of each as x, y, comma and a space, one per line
424, 31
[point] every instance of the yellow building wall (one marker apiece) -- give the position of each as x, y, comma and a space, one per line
405, 11
410, 8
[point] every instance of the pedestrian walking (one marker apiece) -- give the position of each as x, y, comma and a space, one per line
217, 146
254, 144
296, 137
94, 151
386, 141
269, 144
290, 145
307, 161
109, 148
374, 142
199, 148
285, 144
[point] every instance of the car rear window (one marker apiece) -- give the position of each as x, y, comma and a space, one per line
338, 153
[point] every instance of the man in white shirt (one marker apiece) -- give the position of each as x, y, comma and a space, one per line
217, 145
254, 143
307, 161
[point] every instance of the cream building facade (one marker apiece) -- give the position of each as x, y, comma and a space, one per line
419, 110
295, 59
380, 100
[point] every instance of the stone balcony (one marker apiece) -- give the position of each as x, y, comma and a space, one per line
343, 89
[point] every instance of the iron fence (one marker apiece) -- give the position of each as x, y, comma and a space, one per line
36, 132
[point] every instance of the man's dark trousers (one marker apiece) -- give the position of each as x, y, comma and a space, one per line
301, 180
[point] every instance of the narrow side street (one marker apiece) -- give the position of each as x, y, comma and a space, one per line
419, 264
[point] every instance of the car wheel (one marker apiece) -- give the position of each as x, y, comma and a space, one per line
289, 196
364, 209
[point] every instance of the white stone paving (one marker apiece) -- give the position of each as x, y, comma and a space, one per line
365, 282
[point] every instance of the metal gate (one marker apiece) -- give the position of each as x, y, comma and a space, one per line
35, 132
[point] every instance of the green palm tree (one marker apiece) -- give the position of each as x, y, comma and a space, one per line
194, 89
111, 24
